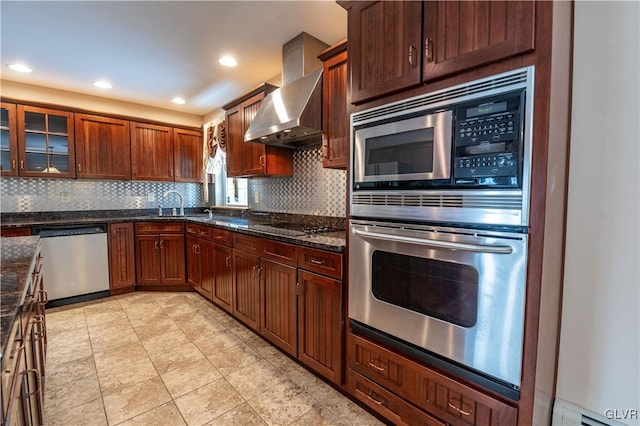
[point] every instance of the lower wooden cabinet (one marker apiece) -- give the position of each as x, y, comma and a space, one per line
222, 292
160, 253
122, 259
200, 272
246, 289
278, 305
400, 378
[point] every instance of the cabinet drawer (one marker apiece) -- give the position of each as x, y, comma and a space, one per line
159, 228
220, 236
205, 232
386, 403
279, 252
322, 262
246, 243
446, 398
191, 229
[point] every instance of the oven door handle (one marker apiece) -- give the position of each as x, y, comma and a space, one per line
476, 248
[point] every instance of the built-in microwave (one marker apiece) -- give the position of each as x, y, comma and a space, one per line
465, 149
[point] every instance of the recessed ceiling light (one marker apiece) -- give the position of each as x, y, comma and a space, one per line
228, 61
20, 67
102, 84
178, 101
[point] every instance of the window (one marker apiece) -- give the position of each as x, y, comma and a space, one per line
236, 192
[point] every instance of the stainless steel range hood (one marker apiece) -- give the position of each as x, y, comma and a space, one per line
292, 115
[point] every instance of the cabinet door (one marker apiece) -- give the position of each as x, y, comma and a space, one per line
246, 300
172, 259
279, 310
235, 141
193, 262
45, 143
254, 156
335, 112
151, 152
384, 47
460, 35
122, 270
206, 268
222, 292
187, 155
103, 148
320, 324
148, 260
8, 140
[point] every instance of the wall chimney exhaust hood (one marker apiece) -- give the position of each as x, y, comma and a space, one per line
291, 116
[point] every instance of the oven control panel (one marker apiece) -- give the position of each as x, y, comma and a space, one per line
488, 142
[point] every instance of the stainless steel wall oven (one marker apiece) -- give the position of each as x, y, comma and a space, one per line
438, 227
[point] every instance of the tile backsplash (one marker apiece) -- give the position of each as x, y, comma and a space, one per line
18, 195
312, 190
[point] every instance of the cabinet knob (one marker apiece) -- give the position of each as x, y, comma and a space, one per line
79, 168
262, 160
22, 164
13, 164
428, 49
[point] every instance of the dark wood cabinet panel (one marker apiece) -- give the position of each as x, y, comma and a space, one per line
335, 108
160, 253
445, 398
222, 292
246, 287
200, 265
279, 310
15, 232
103, 147
461, 35
187, 155
46, 142
320, 324
384, 47
193, 262
122, 260
9, 140
151, 152
249, 158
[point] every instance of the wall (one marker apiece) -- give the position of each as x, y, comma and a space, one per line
27, 92
599, 359
312, 189
18, 195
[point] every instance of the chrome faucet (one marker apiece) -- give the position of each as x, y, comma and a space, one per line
210, 213
181, 202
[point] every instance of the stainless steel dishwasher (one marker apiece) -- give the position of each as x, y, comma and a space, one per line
76, 263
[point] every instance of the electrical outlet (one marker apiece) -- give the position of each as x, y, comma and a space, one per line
65, 197
256, 197
151, 197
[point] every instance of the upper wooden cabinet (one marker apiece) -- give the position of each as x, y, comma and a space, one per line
45, 142
335, 107
8, 140
249, 158
187, 155
459, 35
400, 44
103, 148
151, 152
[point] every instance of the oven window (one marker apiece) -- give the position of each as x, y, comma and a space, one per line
443, 290
400, 153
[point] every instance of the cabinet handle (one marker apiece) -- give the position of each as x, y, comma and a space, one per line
375, 400
299, 289
22, 164
371, 364
156, 245
227, 261
412, 51
325, 150
35, 392
255, 271
428, 49
260, 273
197, 249
79, 168
161, 244
13, 164
316, 261
459, 410
171, 172
262, 160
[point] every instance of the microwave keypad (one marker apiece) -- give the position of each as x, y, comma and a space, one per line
495, 126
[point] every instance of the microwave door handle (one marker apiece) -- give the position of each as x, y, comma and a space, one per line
476, 248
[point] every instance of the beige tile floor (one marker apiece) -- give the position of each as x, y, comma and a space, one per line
174, 359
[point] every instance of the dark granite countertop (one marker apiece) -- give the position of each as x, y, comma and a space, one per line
251, 224
16, 256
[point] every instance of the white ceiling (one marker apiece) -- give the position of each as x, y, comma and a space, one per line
152, 51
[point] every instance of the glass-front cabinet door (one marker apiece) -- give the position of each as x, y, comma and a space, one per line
8, 140
45, 142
